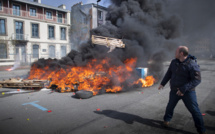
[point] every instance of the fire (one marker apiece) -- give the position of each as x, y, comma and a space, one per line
95, 76
149, 81
9, 69
114, 89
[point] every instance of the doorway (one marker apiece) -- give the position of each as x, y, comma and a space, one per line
20, 55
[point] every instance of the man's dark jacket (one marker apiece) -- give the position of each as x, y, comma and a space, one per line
184, 76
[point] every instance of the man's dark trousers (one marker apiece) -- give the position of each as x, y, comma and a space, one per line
190, 102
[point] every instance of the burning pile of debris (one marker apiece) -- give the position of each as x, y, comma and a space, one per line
97, 76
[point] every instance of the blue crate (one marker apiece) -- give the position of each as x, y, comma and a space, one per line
142, 72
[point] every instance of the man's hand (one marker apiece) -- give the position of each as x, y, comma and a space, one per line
179, 93
160, 87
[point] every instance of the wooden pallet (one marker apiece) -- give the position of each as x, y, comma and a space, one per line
112, 43
20, 83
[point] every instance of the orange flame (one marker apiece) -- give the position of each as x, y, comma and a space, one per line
9, 69
95, 76
149, 81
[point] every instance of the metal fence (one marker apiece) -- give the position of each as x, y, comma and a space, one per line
20, 36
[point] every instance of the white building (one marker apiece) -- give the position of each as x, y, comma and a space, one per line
30, 30
84, 18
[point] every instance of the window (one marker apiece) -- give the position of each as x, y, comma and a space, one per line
35, 30
2, 27
84, 19
100, 15
48, 15
16, 10
51, 32
19, 30
63, 33
3, 51
63, 51
35, 51
33, 12
0, 5
60, 16
52, 51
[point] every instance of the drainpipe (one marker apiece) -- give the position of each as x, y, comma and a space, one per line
8, 5
57, 16
26, 10
43, 14
98, 13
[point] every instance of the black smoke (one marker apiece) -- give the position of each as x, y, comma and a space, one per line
197, 25
147, 30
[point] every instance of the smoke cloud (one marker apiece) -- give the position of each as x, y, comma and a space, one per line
147, 30
197, 25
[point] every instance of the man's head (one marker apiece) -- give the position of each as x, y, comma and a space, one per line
181, 53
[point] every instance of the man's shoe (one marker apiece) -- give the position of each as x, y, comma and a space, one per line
165, 124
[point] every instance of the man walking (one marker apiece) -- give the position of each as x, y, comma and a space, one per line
184, 75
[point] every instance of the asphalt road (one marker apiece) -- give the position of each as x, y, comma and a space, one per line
133, 112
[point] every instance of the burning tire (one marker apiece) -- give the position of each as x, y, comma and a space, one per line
83, 94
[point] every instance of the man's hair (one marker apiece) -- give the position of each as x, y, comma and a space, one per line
184, 50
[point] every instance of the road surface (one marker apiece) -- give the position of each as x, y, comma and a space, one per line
136, 111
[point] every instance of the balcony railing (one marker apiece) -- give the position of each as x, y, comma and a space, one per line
26, 14
23, 37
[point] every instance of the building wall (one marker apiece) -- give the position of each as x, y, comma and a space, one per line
80, 29
95, 19
43, 41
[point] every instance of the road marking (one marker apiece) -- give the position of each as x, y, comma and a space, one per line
36, 105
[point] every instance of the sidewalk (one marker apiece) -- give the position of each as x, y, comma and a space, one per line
4, 68
21, 71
